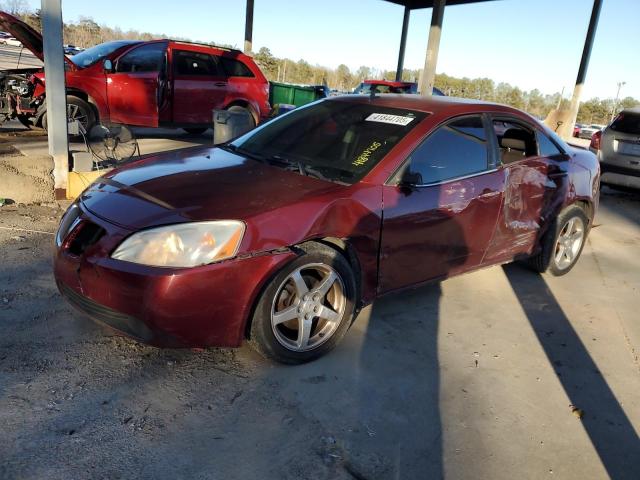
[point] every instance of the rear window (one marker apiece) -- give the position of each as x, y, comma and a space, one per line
194, 63
335, 140
235, 68
627, 123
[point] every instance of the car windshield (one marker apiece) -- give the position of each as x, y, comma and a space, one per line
338, 141
94, 54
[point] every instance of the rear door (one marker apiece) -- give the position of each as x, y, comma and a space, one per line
441, 210
136, 90
620, 145
535, 186
199, 86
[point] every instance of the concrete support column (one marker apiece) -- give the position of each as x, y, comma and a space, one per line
566, 129
431, 59
56, 99
403, 43
248, 28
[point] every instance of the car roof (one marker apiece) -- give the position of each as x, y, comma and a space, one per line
433, 104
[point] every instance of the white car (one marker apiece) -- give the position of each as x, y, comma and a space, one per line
12, 41
588, 130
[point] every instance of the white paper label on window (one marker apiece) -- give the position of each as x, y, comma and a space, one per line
392, 119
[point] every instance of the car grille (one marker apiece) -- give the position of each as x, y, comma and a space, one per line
124, 323
83, 236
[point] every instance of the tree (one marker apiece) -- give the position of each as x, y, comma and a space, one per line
344, 79
15, 7
267, 63
363, 73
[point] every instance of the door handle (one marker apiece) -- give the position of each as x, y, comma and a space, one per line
220, 84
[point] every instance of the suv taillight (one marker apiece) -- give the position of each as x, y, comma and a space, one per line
595, 140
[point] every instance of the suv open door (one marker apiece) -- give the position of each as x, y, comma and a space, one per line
137, 84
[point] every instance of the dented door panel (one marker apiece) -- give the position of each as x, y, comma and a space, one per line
534, 192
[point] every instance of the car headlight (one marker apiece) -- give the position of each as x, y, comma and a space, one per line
183, 244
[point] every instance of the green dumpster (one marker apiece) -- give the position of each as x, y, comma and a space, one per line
286, 93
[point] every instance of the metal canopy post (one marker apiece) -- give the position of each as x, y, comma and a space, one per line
566, 130
403, 43
248, 28
55, 93
431, 58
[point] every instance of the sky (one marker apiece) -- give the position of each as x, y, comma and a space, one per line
529, 44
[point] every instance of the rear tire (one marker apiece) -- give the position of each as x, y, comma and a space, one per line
306, 309
238, 108
563, 243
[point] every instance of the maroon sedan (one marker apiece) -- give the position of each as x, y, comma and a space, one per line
282, 235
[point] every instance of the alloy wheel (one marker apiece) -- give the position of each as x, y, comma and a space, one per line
569, 243
308, 307
74, 112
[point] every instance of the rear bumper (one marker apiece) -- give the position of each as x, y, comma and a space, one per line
621, 176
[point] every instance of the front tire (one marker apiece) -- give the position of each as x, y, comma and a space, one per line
77, 109
563, 243
307, 308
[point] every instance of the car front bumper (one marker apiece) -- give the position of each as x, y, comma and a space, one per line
166, 307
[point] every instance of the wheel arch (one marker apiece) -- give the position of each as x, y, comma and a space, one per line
588, 208
240, 102
71, 92
340, 245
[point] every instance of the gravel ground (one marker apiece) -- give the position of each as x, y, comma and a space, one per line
77, 401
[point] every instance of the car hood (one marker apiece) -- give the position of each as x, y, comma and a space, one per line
29, 37
197, 184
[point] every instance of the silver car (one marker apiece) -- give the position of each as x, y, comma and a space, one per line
587, 131
618, 149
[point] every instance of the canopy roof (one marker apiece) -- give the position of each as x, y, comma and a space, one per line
415, 4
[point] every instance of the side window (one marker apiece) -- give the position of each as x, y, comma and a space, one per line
147, 58
515, 141
454, 150
194, 63
235, 68
547, 147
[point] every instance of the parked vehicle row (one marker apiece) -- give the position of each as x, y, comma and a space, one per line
280, 236
587, 131
150, 84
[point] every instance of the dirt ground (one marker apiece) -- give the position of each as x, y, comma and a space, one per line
498, 374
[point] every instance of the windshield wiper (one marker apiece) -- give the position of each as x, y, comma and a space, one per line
230, 147
288, 162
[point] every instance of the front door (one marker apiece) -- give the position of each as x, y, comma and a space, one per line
136, 88
441, 217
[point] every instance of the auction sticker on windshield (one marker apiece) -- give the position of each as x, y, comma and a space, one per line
392, 119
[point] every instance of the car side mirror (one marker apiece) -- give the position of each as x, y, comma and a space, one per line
108, 66
410, 179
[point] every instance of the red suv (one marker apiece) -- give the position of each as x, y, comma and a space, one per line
157, 83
